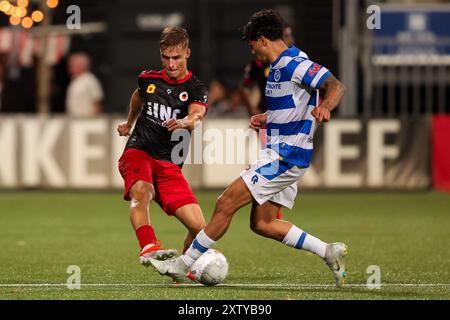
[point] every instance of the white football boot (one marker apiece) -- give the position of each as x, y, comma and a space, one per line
335, 260
174, 268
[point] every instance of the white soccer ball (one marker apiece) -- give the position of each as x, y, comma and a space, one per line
210, 269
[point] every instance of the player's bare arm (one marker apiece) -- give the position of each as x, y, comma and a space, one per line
191, 121
136, 102
258, 120
333, 92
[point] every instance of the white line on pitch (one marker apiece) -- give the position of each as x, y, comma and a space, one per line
235, 285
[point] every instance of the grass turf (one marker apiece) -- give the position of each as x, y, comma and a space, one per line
406, 234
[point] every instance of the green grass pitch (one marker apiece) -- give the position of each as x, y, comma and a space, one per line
406, 234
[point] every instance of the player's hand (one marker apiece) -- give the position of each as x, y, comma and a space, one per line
124, 129
174, 124
321, 114
258, 121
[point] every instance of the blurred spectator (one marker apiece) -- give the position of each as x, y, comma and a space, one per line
2, 84
237, 106
59, 83
223, 103
84, 94
216, 93
18, 86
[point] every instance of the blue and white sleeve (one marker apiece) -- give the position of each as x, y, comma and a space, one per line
310, 74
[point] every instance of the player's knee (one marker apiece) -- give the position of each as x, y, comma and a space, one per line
142, 192
259, 227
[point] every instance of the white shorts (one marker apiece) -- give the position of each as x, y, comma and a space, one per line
270, 179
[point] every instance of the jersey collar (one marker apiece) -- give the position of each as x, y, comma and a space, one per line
172, 81
288, 51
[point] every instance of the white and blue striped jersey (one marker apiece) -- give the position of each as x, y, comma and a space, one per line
291, 95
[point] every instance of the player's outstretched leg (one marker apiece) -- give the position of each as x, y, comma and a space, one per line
263, 222
191, 216
333, 254
141, 195
233, 198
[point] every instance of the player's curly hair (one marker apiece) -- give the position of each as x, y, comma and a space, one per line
174, 36
267, 23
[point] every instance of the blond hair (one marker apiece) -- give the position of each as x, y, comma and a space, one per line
174, 36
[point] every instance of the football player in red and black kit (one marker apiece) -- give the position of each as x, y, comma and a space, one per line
165, 101
255, 75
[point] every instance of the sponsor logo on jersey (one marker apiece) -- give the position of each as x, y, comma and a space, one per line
169, 91
151, 88
161, 112
273, 86
270, 86
314, 69
184, 96
255, 179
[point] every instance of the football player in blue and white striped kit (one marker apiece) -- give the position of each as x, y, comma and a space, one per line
271, 182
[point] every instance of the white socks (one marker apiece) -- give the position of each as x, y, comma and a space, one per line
295, 238
299, 239
199, 246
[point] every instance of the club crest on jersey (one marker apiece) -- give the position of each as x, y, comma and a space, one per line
184, 96
151, 88
277, 75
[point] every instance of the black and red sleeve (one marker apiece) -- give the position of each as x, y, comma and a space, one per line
199, 95
141, 86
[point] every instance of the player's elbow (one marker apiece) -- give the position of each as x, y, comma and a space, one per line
337, 85
198, 120
340, 89
200, 117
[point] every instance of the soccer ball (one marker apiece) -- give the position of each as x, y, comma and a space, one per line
210, 269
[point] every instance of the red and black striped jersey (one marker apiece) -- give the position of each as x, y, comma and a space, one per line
164, 98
